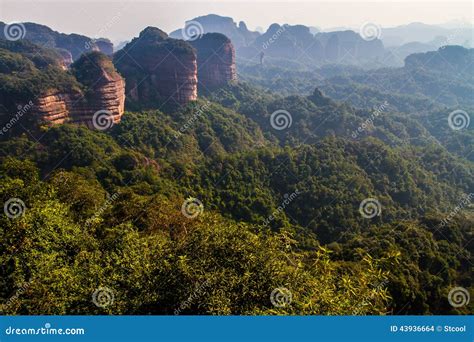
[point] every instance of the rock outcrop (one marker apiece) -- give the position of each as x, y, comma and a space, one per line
66, 58
104, 92
215, 60
159, 70
238, 34
105, 46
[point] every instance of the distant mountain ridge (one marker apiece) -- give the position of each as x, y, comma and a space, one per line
289, 44
73, 43
213, 23
289, 41
429, 34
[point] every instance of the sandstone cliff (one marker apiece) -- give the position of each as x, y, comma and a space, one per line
215, 60
159, 70
103, 90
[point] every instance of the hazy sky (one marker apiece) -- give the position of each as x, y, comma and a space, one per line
124, 20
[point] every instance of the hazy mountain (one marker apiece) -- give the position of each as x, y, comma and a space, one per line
419, 32
75, 44
238, 34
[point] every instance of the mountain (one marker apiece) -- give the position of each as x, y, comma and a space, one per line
215, 60
445, 76
287, 44
396, 55
36, 86
75, 44
423, 33
447, 59
238, 34
158, 69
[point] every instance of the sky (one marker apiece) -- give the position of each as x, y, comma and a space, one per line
120, 21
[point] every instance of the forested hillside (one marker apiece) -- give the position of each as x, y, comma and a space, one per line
358, 205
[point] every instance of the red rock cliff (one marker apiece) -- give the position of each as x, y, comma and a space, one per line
216, 60
104, 91
159, 70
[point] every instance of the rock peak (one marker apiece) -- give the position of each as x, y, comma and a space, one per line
158, 69
153, 33
215, 60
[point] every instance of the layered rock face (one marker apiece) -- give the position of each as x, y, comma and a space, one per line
105, 92
215, 60
158, 69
